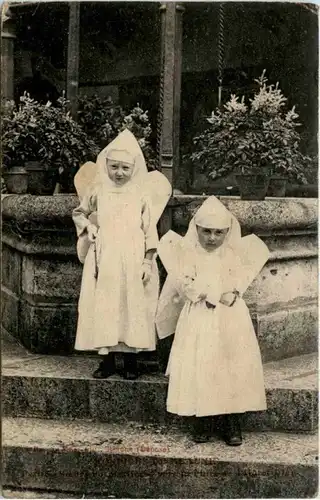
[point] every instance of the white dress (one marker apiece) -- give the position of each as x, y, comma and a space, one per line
215, 363
116, 311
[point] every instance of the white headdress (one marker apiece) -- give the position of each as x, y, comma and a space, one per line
214, 215
125, 148
249, 254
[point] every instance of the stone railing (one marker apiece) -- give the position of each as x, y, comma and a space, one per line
41, 274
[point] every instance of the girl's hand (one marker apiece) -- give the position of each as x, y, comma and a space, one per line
191, 289
92, 231
228, 299
146, 271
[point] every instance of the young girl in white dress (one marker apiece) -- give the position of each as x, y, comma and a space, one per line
117, 242
215, 366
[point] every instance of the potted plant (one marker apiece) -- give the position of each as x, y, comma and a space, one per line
102, 120
137, 121
47, 141
252, 141
14, 177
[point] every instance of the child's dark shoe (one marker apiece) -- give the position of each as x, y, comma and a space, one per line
232, 430
106, 368
200, 438
130, 366
200, 431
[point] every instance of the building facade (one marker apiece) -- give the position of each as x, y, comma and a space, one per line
171, 58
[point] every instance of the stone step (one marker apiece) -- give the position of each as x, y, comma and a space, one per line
134, 461
62, 388
35, 494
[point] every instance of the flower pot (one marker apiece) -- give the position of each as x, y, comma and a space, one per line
16, 180
252, 186
277, 186
41, 181
202, 184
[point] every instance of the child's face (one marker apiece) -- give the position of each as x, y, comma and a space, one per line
211, 239
119, 172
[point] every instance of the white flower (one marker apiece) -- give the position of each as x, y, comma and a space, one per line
291, 115
234, 105
212, 118
269, 99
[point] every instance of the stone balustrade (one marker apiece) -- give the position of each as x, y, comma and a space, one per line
41, 274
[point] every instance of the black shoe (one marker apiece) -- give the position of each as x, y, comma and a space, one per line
200, 433
130, 366
107, 367
232, 430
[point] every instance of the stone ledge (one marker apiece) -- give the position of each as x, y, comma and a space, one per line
272, 214
39, 209
286, 333
293, 246
37, 494
132, 460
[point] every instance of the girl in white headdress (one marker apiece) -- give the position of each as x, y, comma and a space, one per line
118, 251
215, 365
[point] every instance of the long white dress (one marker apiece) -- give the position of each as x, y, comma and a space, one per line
215, 364
116, 310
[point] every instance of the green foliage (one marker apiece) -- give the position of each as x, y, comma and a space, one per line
100, 118
48, 134
103, 120
260, 136
44, 133
137, 121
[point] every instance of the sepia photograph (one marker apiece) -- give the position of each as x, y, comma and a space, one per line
159, 271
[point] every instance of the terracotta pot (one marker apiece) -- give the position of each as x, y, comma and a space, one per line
252, 186
41, 181
16, 180
302, 191
202, 184
277, 186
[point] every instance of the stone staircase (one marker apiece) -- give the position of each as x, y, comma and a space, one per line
67, 435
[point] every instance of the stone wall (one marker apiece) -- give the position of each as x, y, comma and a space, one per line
41, 275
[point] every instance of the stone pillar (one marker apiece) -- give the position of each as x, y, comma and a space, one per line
73, 57
170, 88
7, 54
41, 274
